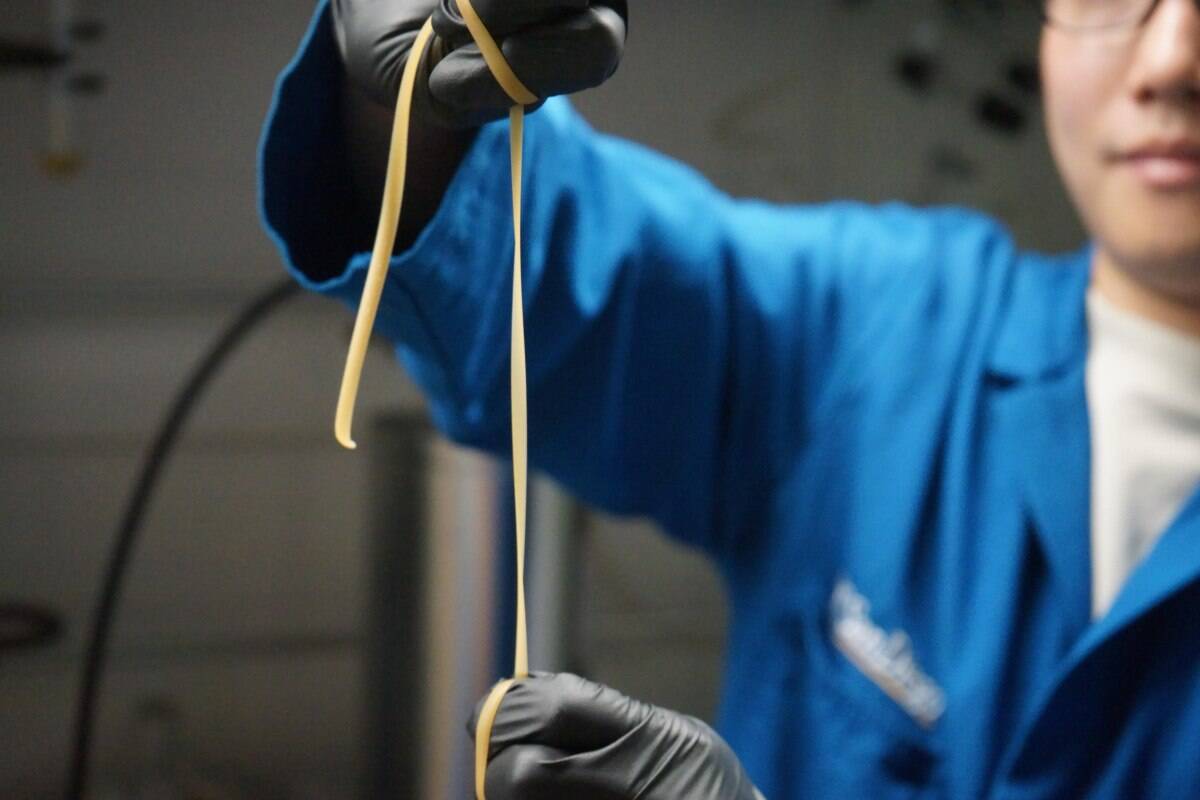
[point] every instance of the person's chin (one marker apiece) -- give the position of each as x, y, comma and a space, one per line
1156, 238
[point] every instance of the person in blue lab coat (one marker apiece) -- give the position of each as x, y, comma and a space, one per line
952, 486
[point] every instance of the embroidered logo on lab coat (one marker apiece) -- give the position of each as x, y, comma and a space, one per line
886, 658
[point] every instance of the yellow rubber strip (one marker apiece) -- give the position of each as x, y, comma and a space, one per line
487, 718
517, 384
496, 62
385, 240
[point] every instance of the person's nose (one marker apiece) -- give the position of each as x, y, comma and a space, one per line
1167, 66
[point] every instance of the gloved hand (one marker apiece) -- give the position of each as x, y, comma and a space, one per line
554, 47
559, 736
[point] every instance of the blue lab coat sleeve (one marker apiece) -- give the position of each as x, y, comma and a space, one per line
678, 338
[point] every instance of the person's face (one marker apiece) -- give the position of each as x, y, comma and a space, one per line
1123, 119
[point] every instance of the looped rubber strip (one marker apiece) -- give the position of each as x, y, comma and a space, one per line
385, 240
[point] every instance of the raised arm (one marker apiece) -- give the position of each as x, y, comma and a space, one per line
678, 339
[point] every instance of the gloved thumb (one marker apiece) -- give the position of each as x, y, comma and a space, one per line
563, 711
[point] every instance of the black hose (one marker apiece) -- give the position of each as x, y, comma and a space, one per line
131, 521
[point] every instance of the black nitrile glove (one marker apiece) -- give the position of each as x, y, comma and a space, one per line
559, 736
554, 47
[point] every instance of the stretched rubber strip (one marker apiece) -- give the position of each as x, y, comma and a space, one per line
487, 716
385, 239
517, 380
495, 60
517, 389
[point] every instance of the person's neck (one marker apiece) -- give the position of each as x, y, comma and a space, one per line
1124, 291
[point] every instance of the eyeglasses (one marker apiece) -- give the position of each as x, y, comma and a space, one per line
1086, 16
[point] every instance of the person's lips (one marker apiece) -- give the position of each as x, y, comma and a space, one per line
1164, 165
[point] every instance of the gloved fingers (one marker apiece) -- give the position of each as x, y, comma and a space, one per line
666, 756
536, 772
576, 53
375, 46
560, 736
565, 712
505, 17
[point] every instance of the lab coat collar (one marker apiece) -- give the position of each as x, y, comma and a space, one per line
1173, 563
1074, 701
1039, 356
1043, 329
1037, 365
1044, 424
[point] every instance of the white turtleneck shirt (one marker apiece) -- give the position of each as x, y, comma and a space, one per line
1143, 395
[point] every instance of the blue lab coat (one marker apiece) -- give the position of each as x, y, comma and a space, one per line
872, 418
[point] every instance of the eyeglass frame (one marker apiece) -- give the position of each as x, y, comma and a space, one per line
1131, 24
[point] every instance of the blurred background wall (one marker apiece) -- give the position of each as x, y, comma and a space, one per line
242, 623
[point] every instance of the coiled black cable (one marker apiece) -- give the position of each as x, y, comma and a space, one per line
118, 563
